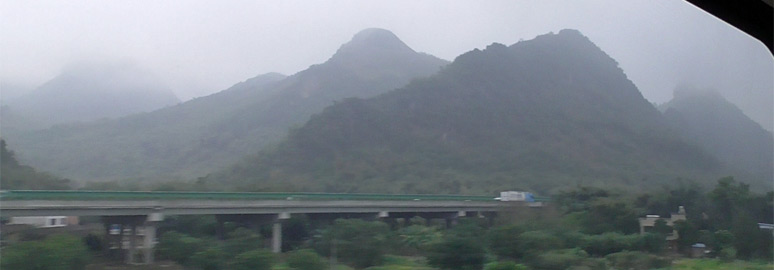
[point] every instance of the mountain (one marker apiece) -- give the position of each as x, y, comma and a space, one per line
723, 130
14, 175
91, 91
537, 115
208, 133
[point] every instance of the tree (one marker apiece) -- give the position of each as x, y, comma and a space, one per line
418, 237
13, 175
504, 242
259, 259
457, 253
661, 227
178, 247
305, 259
460, 249
212, 258
242, 240
361, 243
56, 252
505, 265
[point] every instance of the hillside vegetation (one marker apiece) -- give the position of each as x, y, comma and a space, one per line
208, 133
537, 115
707, 118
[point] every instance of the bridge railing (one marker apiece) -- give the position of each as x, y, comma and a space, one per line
172, 195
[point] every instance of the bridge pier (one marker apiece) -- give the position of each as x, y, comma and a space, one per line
128, 229
276, 232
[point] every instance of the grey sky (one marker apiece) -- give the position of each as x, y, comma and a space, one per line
201, 47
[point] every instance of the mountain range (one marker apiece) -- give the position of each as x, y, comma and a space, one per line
706, 117
207, 133
537, 115
86, 92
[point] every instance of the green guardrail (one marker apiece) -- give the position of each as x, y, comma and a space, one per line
158, 195
173, 195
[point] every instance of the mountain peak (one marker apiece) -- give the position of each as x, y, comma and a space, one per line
370, 43
377, 37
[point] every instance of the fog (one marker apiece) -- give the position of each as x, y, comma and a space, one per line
201, 47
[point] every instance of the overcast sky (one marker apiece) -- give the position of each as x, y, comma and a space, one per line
201, 47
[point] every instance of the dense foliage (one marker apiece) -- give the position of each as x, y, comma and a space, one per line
724, 130
537, 115
57, 252
14, 175
558, 236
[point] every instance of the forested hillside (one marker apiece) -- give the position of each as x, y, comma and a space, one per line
539, 115
14, 175
725, 131
207, 133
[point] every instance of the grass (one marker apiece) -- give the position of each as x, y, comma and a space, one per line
714, 264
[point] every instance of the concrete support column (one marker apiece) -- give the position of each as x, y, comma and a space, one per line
148, 242
130, 254
220, 227
276, 237
276, 232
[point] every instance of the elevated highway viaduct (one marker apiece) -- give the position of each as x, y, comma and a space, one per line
145, 209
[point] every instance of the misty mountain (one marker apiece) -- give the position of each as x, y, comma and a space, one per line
14, 175
723, 130
91, 91
537, 115
207, 133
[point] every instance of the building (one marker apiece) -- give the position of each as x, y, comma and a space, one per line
46, 221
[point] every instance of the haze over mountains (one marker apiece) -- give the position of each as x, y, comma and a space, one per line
86, 92
537, 115
707, 118
201, 135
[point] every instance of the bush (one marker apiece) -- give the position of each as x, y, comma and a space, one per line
305, 259
94, 242
727, 254
503, 241
57, 252
564, 259
242, 240
209, 259
178, 247
505, 265
636, 260
259, 259
457, 252
539, 241
607, 243
358, 242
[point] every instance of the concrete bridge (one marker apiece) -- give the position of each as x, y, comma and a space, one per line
144, 210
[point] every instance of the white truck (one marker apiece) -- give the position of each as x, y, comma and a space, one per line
515, 196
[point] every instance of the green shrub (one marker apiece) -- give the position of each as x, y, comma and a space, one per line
505, 265
259, 259
727, 254
209, 259
242, 240
305, 259
178, 247
607, 243
564, 259
57, 252
635, 260
457, 252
